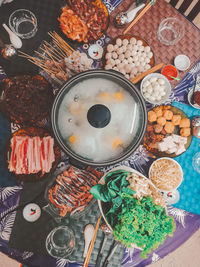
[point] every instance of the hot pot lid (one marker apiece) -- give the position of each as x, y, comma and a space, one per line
99, 117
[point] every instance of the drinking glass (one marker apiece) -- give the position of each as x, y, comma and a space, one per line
196, 162
60, 242
23, 23
170, 31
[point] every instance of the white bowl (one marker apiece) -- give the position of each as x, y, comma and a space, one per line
178, 166
182, 62
167, 88
189, 97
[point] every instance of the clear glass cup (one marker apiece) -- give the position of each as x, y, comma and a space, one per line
23, 23
170, 31
60, 242
196, 162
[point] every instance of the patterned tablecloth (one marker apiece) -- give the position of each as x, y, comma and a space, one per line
187, 223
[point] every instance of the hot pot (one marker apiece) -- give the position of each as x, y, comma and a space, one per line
99, 118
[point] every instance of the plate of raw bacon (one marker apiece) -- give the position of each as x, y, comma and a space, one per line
31, 154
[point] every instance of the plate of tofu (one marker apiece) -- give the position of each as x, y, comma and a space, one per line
168, 131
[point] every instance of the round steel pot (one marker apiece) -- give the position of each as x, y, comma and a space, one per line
118, 78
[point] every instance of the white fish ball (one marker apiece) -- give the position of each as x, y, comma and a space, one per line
127, 76
147, 95
133, 52
147, 67
162, 93
132, 65
120, 65
146, 83
129, 47
122, 70
116, 68
108, 56
130, 60
127, 54
149, 89
141, 48
135, 58
110, 62
133, 40
158, 98
161, 81
125, 42
119, 50
110, 48
115, 47
152, 98
132, 75
114, 55
127, 68
141, 59
139, 53
149, 54
119, 42
125, 61
108, 67
117, 61
133, 70
121, 57
147, 60
153, 79
139, 43
162, 88
143, 64
123, 48
147, 49
135, 48
144, 89
137, 63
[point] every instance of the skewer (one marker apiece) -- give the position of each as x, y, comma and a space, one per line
152, 2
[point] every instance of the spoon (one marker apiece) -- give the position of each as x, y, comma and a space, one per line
177, 79
125, 17
106, 232
15, 40
88, 234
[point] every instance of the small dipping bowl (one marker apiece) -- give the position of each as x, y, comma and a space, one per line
190, 99
169, 70
182, 62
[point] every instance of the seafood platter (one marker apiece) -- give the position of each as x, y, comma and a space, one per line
168, 131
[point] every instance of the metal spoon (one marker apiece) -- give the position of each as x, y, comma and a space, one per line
88, 234
125, 17
107, 232
15, 40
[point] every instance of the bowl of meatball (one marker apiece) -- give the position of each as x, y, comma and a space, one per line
155, 88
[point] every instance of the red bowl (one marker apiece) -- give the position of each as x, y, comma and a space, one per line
170, 70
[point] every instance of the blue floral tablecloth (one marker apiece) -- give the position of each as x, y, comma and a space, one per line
187, 223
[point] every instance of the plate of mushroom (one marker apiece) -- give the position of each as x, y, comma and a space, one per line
129, 55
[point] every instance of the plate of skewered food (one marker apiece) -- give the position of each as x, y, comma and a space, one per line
31, 154
168, 131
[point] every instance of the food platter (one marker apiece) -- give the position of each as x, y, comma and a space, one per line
80, 23
32, 132
132, 51
178, 137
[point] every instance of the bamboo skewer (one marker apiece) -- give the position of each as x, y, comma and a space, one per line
140, 15
142, 75
87, 259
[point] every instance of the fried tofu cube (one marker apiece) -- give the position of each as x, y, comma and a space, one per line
161, 121
176, 119
168, 114
158, 111
185, 123
169, 127
185, 132
152, 116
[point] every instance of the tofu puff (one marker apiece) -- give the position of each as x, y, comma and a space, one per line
185, 123
152, 116
185, 132
158, 110
168, 114
169, 127
176, 119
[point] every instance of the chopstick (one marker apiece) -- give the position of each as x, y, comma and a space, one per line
87, 259
152, 2
142, 75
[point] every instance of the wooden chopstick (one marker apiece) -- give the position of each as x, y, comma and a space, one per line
142, 75
144, 10
87, 259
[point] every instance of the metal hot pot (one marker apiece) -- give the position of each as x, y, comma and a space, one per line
99, 118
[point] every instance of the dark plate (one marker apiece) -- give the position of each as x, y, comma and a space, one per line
159, 154
32, 131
